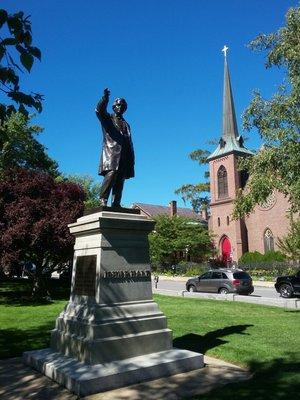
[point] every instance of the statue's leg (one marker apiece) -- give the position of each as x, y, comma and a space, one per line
117, 190
107, 184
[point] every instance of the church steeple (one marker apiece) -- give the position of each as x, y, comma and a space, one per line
230, 141
229, 119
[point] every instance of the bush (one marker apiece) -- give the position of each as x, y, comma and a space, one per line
183, 268
257, 257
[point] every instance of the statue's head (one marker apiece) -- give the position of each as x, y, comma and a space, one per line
119, 106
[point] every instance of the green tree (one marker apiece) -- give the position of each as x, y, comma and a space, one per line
90, 188
177, 234
290, 244
197, 194
277, 120
20, 149
16, 54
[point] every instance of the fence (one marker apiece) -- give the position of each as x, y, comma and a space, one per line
258, 270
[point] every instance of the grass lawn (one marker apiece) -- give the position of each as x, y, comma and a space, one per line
265, 339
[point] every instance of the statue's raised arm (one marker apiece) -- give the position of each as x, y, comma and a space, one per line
101, 108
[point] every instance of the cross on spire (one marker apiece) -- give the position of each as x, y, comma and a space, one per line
225, 48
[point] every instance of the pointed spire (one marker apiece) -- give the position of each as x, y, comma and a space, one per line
230, 141
229, 118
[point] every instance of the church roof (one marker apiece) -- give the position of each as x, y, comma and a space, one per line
153, 210
231, 141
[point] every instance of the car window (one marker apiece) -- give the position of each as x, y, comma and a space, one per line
241, 275
205, 276
216, 275
224, 276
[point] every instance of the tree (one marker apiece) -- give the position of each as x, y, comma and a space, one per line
35, 211
290, 244
277, 120
90, 188
196, 194
19, 147
178, 234
16, 42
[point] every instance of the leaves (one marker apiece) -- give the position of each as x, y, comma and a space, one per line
277, 165
178, 234
18, 44
26, 60
3, 17
35, 211
9, 41
290, 244
19, 147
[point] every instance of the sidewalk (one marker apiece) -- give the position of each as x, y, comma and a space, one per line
20, 382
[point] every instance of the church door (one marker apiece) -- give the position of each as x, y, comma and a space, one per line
226, 249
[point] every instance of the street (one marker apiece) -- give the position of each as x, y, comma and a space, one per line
179, 285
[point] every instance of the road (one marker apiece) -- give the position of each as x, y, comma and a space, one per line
177, 286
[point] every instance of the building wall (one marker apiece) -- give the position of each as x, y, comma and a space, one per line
272, 215
245, 235
222, 208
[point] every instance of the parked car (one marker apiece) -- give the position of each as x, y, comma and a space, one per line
222, 281
288, 286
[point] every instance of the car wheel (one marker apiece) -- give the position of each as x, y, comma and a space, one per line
286, 291
223, 290
192, 288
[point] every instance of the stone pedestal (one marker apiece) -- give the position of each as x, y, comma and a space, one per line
111, 333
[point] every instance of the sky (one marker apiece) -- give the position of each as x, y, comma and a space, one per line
164, 57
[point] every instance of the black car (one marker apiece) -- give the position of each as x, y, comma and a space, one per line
222, 281
288, 286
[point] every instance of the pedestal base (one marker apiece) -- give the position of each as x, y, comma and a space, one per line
84, 379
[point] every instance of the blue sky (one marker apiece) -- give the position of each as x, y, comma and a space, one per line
164, 57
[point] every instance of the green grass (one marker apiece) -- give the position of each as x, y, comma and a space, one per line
232, 331
265, 339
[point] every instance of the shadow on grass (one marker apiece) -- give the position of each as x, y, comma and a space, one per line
276, 380
17, 292
200, 344
14, 341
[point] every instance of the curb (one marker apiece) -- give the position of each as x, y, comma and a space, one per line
293, 304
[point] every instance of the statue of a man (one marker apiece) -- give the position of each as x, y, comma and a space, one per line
117, 159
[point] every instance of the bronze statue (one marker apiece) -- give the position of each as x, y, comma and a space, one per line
117, 159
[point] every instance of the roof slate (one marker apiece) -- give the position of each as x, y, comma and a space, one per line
153, 210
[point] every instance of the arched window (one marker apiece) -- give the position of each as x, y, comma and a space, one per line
268, 240
222, 182
219, 222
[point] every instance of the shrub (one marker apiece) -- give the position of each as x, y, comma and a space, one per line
257, 257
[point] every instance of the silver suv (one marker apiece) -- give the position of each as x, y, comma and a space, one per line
222, 281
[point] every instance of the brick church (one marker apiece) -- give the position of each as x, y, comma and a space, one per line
268, 222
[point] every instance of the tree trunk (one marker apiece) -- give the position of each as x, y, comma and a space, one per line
39, 290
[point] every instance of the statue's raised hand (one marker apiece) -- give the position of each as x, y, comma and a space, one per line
106, 92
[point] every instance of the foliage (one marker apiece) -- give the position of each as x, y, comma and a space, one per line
16, 43
256, 257
277, 165
182, 268
35, 212
178, 234
90, 188
20, 148
196, 194
290, 244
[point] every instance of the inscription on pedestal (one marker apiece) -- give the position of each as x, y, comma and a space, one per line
85, 276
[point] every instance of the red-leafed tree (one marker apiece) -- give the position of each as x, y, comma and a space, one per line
35, 211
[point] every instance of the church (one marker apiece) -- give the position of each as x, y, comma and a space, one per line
268, 222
